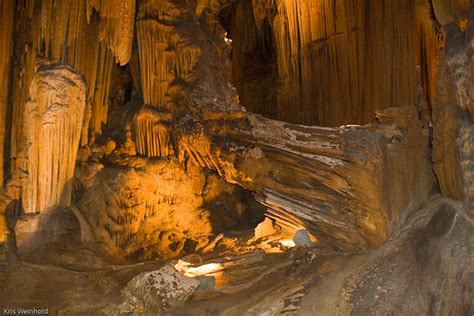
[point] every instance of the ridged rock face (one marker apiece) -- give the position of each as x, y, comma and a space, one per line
51, 133
84, 34
325, 62
6, 29
349, 186
153, 133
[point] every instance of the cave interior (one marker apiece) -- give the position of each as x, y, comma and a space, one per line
237, 157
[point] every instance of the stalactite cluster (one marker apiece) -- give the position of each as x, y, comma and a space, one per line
153, 133
164, 55
83, 34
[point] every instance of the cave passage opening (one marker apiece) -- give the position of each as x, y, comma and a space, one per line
254, 61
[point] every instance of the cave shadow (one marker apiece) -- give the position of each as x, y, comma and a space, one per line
234, 210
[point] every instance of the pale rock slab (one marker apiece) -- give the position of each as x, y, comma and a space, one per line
302, 239
156, 291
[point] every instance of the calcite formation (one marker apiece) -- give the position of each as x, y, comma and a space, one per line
146, 130
155, 209
6, 31
51, 130
323, 176
153, 133
310, 62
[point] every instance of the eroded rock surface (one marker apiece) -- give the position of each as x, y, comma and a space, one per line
152, 292
156, 209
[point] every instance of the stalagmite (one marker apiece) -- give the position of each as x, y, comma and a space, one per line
51, 134
152, 133
85, 35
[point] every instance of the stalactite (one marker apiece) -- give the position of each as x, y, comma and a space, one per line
153, 133
85, 35
117, 22
156, 62
100, 103
6, 28
51, 131
164, 56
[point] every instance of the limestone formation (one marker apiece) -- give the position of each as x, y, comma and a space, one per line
311, 61
51, 131
155, 159
321, 175
117, 25
152, 210
153, 133
156, 291
6, 29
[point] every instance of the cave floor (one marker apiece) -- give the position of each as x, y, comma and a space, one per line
426, 267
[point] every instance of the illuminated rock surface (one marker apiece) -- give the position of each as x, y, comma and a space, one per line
154, 161
51, 130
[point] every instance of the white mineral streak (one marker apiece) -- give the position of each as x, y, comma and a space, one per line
52, 130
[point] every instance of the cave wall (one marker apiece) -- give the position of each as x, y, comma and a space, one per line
7, 8
328, 62
453, 113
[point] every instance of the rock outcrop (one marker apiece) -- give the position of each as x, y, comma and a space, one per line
156, 291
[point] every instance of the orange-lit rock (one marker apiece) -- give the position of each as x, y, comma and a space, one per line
183, 116
6, 29
154, 209
153, 133
51, 131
